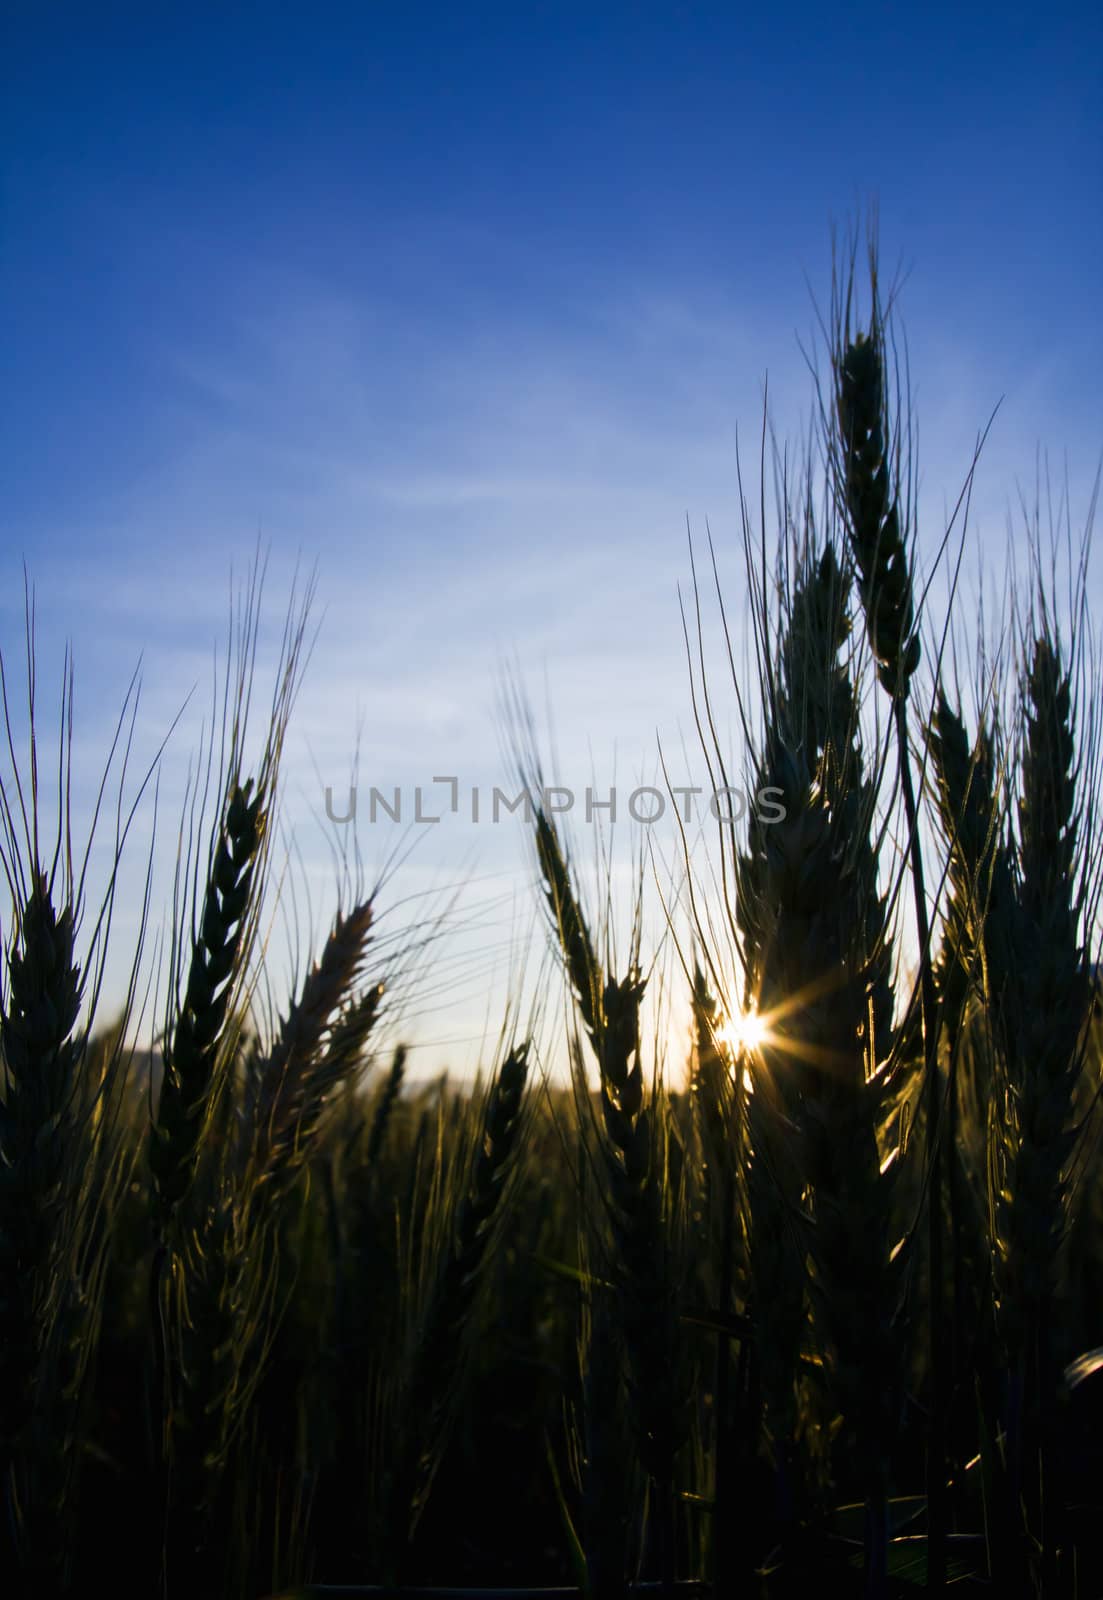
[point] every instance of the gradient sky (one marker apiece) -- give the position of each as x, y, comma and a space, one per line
468, 304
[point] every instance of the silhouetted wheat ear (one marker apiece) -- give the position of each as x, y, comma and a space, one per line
876, 520
632, 1162
1045, 1006
350, 1033
384, 1108
191, 1052
501, 1125
609, 1007
291, 1085
816, 698
846, 1027
775, 887
979, 884
818, 968
1047, 809
583, 967
37, 1020
721, 1134
223, 1303
877, 539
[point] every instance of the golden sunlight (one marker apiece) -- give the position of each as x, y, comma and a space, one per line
747, 1031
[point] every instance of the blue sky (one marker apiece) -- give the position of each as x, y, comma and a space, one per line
468, 304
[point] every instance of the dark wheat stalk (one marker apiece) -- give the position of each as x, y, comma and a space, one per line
195, 1285
430, 1384
61, 1165
720, 1104
201, 1035
974, 921
631, 1159
605, 1484
875, 520
808, 718
188, 1280
226, 1272
817, 964
1043, 1010
846, 1028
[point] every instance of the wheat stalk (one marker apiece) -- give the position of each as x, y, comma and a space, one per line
817, 964
1043, 1011
868, 478
429, 1388
633, 1169
62, 1168
202, 1290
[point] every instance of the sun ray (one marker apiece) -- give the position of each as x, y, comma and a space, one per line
745, 1032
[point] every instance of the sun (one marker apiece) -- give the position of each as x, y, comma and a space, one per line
746, 1031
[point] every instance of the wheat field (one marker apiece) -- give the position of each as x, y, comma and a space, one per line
815, 1308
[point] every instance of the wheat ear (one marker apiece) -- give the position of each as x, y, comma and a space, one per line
192, 1052
37, 1020
384, 1107
290, 1085
39, 1366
